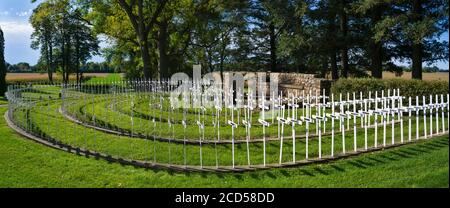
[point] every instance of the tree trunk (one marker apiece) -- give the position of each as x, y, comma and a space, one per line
63, 58
47, 59
77, 59
344, 50
141, 29
273, 49
162, 47
210, 61
144, 49
50, 71
377, 62
334, 68
377, 48
417, 46
417, 61
332, 40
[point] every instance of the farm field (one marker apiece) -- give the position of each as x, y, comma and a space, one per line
35, 77
427, 76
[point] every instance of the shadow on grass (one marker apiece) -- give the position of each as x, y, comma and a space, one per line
285, 173
337, 168
323, 172
305, 172
270, 174
254, 176
355, 164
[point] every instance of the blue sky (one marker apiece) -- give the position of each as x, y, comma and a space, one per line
14, 15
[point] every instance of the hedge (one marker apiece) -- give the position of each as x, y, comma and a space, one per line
408, 88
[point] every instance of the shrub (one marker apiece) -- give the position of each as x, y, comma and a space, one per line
407, 87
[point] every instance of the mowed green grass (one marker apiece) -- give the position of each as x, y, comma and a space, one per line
3, 101
24, 163
113, 77
47, 119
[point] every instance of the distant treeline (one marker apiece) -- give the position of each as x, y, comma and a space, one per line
151, 39
90, 67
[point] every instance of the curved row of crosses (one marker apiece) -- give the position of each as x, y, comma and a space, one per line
215, 129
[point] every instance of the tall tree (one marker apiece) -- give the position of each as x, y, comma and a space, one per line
43, 35
2, 64
63, 34
414, 30
143, 15
343, 17
374, 10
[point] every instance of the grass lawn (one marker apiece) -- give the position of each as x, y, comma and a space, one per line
108, 78
3, 101
24, 163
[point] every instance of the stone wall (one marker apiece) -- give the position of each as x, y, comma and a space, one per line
287, 82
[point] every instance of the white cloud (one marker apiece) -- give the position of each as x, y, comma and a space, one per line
22, 14
17, 42
16, 28
4, 13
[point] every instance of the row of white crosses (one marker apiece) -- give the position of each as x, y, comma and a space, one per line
388, 111
384, 107
387, 107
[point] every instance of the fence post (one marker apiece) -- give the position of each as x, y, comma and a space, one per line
354, 123
384, 121
424, 104
332, 125
365, 123
437, 113
392, 111
409, 119
400, 113
376, 120
431, 115
443, 114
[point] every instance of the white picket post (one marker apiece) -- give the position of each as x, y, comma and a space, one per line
384, 122
303, 103
387, 104
348, 109
409, 119
318, 122
360, 100
354, 123
431, 115
424, 104
437, 113
293, 122
264, 124
323, 113
448, 112
392, 121
376, 120
282, 121
332, 125
369, 107
400, 113
341, 110
316, 100
365, 124
417, 118
341, 117
443, 114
